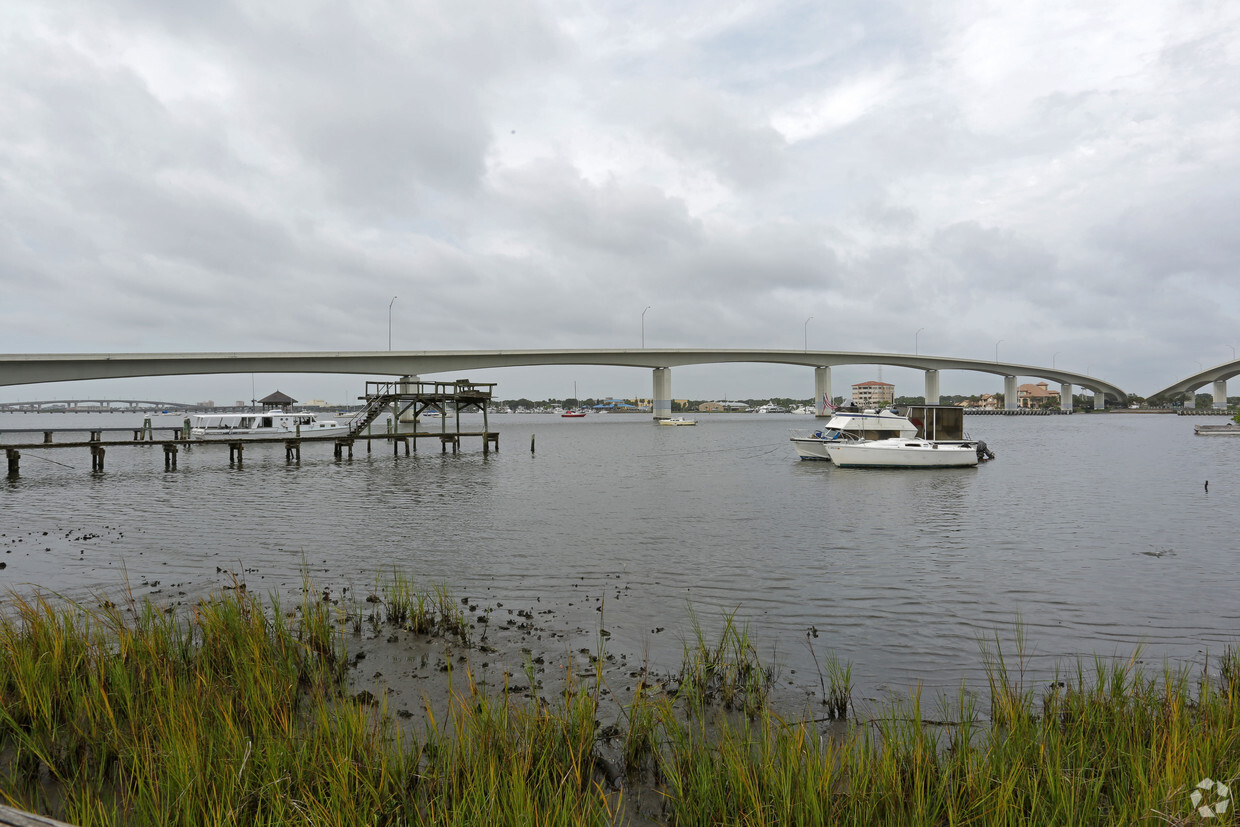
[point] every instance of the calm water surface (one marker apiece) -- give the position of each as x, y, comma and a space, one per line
1094, 531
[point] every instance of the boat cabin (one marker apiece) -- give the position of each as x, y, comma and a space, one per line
937, 423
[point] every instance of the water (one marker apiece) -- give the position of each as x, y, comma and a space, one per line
1095, 532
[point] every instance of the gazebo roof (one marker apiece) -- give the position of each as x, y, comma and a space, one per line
278, 398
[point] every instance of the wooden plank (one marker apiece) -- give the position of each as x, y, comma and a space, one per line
16, 818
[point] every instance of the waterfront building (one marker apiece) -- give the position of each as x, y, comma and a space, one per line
873, 394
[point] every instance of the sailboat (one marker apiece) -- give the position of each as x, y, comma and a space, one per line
574, 412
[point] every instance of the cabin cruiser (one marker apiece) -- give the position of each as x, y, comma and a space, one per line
771, 407
256, 425
677, 420
925, 436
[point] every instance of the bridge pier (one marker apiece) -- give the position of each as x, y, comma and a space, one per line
1220, 393
1100, 400
662, 395
822, 390
1065, 397
932, 387
1011, 399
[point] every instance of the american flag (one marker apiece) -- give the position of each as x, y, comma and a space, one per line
826, 404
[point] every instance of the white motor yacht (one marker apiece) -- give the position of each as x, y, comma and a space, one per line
259, 424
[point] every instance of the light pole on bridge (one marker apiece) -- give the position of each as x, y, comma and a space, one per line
392, 302
997, 349
644, 326
807, 321
915, 344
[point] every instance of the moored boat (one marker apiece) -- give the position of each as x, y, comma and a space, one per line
256, 425
926, 436
1227, 429
677, 420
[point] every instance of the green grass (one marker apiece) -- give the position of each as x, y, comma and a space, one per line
237, 711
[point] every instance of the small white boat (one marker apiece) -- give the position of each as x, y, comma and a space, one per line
771, 407
677, 420
901, 453
1227, 429
256, 425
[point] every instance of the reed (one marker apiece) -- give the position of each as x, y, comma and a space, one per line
237, 710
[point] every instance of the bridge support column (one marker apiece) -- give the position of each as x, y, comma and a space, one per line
1100, 400
1190, 398
1065, 397
822, 390
1220, 393
405, 385
662, 395
932, 387
1010, 394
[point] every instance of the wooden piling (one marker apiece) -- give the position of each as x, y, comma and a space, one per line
170, 456
235, 450
14, 457
96, 457
292, 448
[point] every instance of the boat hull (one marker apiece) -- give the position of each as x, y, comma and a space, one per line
893, 453
1230, 429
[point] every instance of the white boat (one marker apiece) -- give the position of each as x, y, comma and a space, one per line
1227, 429
901, 453
804, 410
677, 420
256, 425
926, 436
852, 424
771, 407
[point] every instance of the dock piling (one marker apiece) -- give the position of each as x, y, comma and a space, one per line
234, 452
96, 457
170, 456
14, 457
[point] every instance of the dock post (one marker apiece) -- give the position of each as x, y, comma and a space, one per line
292, 448
234, 452
170, 456
47, 437
147, 433
14, 457
96, 457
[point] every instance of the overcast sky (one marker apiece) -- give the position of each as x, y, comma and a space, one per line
1057, 179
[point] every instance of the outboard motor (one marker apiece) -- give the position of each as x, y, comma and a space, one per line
984, 453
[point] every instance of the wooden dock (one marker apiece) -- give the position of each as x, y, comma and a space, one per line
405, 399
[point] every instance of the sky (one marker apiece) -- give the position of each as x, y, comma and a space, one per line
1048, 183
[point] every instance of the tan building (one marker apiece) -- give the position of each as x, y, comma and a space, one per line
722, 407
873, 394
1040, 395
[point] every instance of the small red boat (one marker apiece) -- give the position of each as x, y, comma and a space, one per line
571, 412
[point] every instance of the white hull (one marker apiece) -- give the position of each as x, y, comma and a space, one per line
1230, 429
810, 448
900, 453
677, 421
265, 425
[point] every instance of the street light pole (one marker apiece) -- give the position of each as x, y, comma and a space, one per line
807, 321
393, 301
915, 344
997, 349
644, 326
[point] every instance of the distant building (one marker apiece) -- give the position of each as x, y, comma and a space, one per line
873, 394
723, 407
1040, 395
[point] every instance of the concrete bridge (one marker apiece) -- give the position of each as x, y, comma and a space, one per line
93, 405
1217, 375
29, 369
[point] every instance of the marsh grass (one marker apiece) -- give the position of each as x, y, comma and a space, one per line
237, 711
